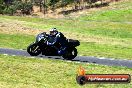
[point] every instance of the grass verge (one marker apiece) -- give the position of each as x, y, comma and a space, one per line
22, 72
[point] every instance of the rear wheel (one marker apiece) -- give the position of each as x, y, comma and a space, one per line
70, 54
33, 49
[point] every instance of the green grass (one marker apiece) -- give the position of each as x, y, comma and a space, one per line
115, 12
110, 29
103, 50
117, 15
17, 41
22, 72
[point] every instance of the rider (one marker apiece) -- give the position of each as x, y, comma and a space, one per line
58, 38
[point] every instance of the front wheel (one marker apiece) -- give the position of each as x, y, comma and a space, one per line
70, 54
33, 49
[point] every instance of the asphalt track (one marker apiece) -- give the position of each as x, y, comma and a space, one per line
87, 59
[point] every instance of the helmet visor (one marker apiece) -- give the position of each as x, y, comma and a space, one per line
51, 32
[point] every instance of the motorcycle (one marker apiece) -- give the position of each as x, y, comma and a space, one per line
40, 46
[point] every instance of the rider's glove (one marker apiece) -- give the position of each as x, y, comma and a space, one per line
50, 44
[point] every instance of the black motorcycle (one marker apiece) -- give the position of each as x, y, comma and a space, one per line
40, 46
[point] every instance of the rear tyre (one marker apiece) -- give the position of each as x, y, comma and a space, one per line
33, 49
70, 54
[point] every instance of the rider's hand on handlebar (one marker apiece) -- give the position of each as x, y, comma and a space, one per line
48, 43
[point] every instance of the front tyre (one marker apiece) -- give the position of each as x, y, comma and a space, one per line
70, 54
33, 49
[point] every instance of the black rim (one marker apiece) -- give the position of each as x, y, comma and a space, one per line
71, 54
34, 49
